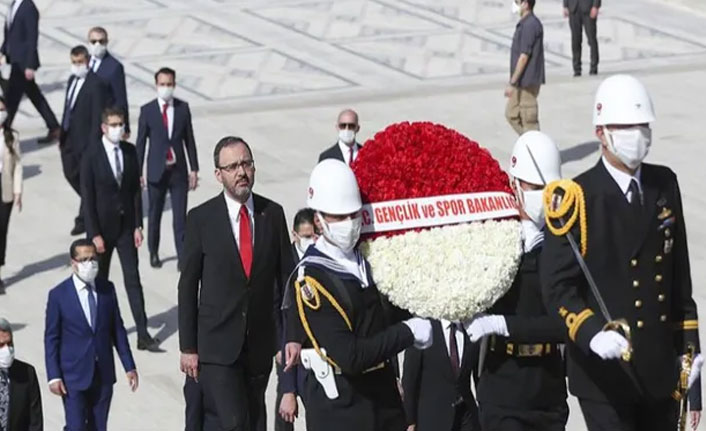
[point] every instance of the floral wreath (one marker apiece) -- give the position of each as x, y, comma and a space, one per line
440, 225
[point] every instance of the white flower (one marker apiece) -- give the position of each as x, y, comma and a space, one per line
449, 272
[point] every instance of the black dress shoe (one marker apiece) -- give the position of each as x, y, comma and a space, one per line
150, 344
577, 74
52, 136
593, 72
78, 229
154, 261
2, 287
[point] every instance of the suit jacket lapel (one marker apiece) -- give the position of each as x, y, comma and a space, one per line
650, 192
158, 117
260, 230
76, 304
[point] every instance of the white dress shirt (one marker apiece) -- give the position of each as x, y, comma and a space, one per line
75, 88
94, 63
352, 260
110, 152
446, 327
346, 150
622, 179
531, 235
83, 293
170, 114
13, 12
233, 207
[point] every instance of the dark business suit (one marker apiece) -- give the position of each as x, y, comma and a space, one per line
81, 356
434, 398
160, 177
114, 211
112, 73
20, 50
640, 262
81, 126
229, 320
580, 19
334, 152
25, 412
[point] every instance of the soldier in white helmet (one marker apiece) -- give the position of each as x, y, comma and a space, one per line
351, 332
522, 384
632, 238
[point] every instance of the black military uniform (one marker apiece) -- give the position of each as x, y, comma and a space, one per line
637, 254
368, 395
522, 384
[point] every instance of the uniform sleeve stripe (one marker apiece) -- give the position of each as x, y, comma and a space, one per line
687, 325
580, 319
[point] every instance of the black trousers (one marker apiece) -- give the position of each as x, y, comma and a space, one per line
71, 165
653, 415
127, 253
579, 21
235, 395
280, 424
177, 184
5, 211
501, 418
19, 86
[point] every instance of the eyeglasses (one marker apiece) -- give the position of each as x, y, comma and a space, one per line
349, 126
233, 167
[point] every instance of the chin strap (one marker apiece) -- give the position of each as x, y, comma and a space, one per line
557, 207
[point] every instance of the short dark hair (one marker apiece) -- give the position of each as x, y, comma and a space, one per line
531, 3
227, 142
99, 29
166, 71
80, 50
304, 215
81, 242
112, 111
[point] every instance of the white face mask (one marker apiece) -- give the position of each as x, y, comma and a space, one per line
115, 134
304, 243
3, 116
516, 9
7, 356
343, 234
79, 70
346, 136
533, 204
97, 50
630, 145
165, 92
87, 271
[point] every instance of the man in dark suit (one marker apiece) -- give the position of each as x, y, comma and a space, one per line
110, 188
437, 382
634, 245
81, 123
20, 399
166, 122
83, 324
110, 70
19, 48
236, 250
346, 148
583, 15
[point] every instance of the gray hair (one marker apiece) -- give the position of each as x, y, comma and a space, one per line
5, 326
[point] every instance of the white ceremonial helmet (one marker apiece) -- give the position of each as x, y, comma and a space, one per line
622, 99
333, 189
535, 152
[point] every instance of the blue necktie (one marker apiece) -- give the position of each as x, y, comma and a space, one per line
66, 122
92, 306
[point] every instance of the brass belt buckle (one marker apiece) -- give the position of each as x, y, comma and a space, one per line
530, 350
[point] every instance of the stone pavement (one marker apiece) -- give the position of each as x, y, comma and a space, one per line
278, 71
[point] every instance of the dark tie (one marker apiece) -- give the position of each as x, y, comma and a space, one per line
453, 350
245, 240
350, 159
4, 399
69, 102
635, 197
118, 167
92, 306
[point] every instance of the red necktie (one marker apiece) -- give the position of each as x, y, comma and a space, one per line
350, 159
245, 240
165, 121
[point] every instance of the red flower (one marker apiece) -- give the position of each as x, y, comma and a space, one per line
423, 159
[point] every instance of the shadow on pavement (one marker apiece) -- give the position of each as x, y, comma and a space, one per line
57, 261
578, 152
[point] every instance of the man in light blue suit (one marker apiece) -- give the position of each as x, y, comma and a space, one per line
83, 324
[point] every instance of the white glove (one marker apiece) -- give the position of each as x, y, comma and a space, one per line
608, 344
483, 325
696, 369
421, 329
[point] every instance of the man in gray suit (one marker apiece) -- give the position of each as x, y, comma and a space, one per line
583, 14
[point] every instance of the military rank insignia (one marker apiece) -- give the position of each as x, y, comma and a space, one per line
668, 244
307, 293
666, 212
